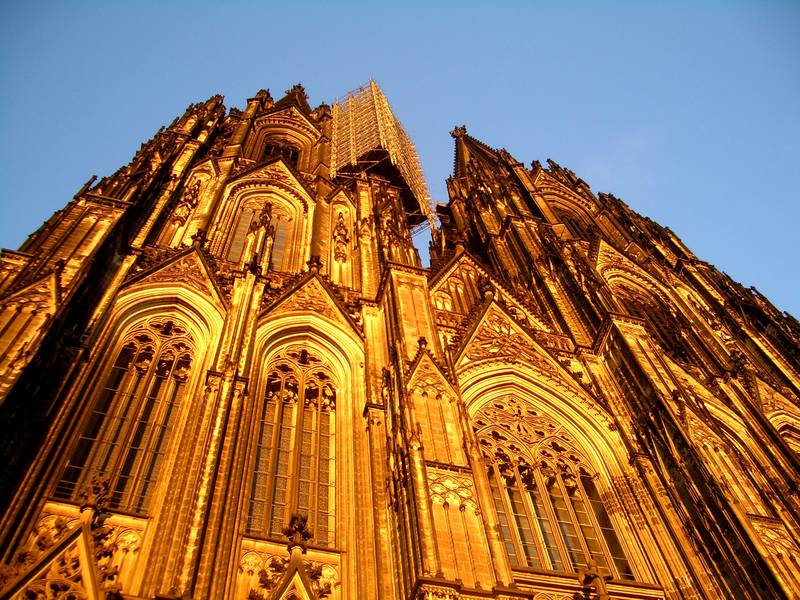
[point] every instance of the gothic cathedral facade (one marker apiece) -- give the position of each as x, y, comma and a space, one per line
225, 374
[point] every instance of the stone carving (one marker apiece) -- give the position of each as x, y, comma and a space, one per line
152, 257
129, 541
593, 580
61, 581
264, 220
427, 378
186, 270
451, 489
298, 532
776, 539
251, 563
510, 429
311, 297
498, 339
274, 568
223, 274
268, 577
341, 239
93, 509
186, 204
50, 530
365, 228
63, 577
321, 575
459, 131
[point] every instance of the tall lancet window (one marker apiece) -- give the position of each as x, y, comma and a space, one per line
548, 505
238, 236
127, 433
295, 451
279, 259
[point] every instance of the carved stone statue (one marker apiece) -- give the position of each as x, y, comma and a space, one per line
341, 238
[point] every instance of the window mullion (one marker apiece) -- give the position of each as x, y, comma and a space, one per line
127, 417
272, 478
521, 518
601, 538
133, 450
549, 518
293, 470
568, 501
552, 517
135, 474
151, 458
530, 511
101, 444
503, 510
609, 539
313, 486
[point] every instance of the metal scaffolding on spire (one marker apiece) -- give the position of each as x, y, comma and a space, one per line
363, 121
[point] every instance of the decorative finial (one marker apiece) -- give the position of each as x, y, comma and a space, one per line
486, 288
314, 264
95, 494
422, 343
199, 238
297, 89
591, 579
297, 532
459, 131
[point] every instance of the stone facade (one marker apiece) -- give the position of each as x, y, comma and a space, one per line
230, 344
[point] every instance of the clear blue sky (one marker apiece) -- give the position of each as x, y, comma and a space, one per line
687, 111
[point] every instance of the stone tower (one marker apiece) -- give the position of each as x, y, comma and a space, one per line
224, 373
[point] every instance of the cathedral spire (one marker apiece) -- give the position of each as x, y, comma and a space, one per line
467, 148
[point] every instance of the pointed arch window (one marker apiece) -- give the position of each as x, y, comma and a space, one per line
127, 433
295, 454
280, 247
549, 509
239, 235
661, 322
257, 212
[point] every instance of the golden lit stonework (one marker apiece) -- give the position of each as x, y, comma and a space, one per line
224, 374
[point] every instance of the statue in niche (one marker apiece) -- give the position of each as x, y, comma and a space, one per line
187, 203
192, 193
341, 237
264, 219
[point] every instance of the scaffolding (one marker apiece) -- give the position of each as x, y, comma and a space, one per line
363, 121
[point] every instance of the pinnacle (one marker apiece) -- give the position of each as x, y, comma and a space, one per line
459, 131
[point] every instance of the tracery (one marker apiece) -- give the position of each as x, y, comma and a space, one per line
548, 503
294, 470
126, 435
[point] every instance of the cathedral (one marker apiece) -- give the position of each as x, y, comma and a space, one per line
225, 374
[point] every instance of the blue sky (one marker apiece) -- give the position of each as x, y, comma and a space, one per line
687, 111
